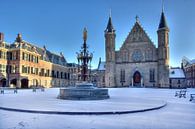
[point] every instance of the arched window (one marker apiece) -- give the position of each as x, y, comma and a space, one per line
152, 75
122, 76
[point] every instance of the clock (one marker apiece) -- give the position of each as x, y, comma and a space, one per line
137, 55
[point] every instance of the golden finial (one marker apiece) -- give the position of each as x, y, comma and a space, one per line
85, 34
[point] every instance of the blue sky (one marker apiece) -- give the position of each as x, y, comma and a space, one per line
58, 24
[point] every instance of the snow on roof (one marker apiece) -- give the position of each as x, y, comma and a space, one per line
102, 66
176, 73
192, 61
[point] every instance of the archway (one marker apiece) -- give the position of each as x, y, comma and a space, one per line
14, 82
24, 83
3, 82
137, 78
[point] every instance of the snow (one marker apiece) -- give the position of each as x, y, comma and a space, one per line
176, 73
178, 114
192, 61
48, 101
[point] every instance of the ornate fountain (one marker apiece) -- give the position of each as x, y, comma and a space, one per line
84, 90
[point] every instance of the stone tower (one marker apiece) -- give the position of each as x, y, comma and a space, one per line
163, 52
110, 54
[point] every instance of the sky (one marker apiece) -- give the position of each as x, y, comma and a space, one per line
59, 24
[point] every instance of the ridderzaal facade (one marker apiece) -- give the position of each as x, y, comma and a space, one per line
138, 62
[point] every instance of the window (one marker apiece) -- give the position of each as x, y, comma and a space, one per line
23, 55
42, 72
122, 76
61, 74
14, 56
57, 74
47, 73
13, 69
17, 69
1, 54
29, 58
17, 55
103, 79
148, 54
36, 71
2, 68
68, 76
152, 75
53, 73
32, 70
24, 69
28, 69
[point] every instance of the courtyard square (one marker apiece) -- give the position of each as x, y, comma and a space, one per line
179, 113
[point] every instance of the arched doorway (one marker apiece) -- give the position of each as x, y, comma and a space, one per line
3, 82
14, 82
24, 83
137, 78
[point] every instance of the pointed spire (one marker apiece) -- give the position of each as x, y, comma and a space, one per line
162, 5
109, 27
163, 23
137, 18
110, 13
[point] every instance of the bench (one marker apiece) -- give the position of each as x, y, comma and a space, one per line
192, 97
181, 93
3, 89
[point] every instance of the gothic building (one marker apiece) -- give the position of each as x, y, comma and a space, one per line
138, 62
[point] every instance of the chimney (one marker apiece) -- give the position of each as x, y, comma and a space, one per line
1, 37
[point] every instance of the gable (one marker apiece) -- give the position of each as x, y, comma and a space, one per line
137, 35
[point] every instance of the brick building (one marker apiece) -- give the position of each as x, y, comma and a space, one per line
23, 65
189, 69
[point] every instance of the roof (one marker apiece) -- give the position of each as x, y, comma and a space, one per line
46, 55
176, 73
163, 23
187, 62
109, 27
102, 66
192, 61
138, 35
72, 65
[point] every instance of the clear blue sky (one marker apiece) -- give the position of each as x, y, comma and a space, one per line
58, 24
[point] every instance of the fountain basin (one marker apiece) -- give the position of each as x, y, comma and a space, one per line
83, 91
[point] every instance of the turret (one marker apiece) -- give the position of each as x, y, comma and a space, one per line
110, 54
110, 41
1, 37
163, 52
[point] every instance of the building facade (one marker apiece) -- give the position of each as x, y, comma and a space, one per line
138, 62
177, 78
189, 69
23, 65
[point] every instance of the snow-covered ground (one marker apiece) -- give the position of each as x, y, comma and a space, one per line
178, 114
